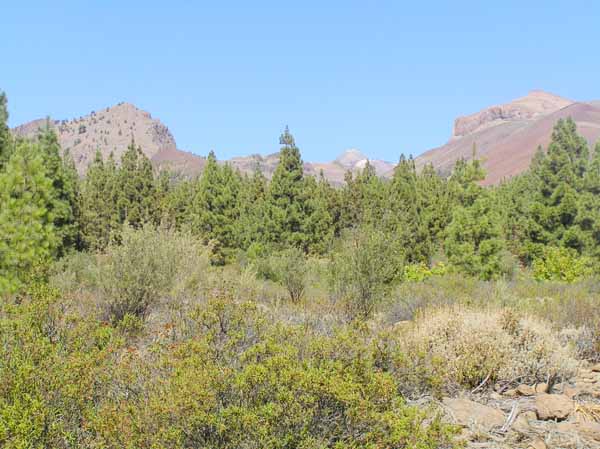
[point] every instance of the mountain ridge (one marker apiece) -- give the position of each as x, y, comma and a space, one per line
112, 129
504, 136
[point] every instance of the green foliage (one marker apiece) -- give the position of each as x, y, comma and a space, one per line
418, 272
474, 242
417, 209
464, 181
216, 207
285, 208
435, 203
290, 269
99, 216
223, 376
252, 209
557, 183
363, 266
6, 141
28, 237
561, 264
53, 371
362, 199
177, 202
135, 188
65, 183
148, 266
148, 344
588, 216
319, 226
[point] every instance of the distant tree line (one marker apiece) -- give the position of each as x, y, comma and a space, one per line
47, 210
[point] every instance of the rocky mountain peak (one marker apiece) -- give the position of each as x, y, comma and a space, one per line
535, 104
349, 158
109, 130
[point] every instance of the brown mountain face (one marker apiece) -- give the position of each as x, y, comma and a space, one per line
110, 130
113, 128
506, 137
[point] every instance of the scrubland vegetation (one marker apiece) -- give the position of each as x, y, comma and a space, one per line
141, 310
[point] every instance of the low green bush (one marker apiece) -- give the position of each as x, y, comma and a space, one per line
290, 269
237, 379
147, 266
561, 264
418, 272
363, 267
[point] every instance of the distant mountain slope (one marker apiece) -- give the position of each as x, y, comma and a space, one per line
112, 129
507, 136
109, 130
334, 171
534, 105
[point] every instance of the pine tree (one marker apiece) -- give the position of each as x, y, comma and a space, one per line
514, 202
6, 141
163, 186
436, 202
98, 211
135, 188
464, 181
253, 195
27, 200
318, 227
558, 180
215, 208
178, 203
229, 207
588, 217
203, 217
285, 211
474, 242
404, 212
363, 198
113, 190
60, 168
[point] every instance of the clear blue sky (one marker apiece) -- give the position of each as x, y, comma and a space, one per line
386, 77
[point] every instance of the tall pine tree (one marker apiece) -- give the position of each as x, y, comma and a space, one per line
404, 212
285, 211
28, 237
135, 188
65, 182
558, 179
252, 209
215, 210
6, 141
474, 241
363, 198
98, 210
318, 226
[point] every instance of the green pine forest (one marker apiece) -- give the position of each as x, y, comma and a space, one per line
143, 309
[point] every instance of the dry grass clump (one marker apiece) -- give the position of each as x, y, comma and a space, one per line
457, 347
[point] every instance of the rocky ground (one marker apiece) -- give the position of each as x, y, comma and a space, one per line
566, 415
